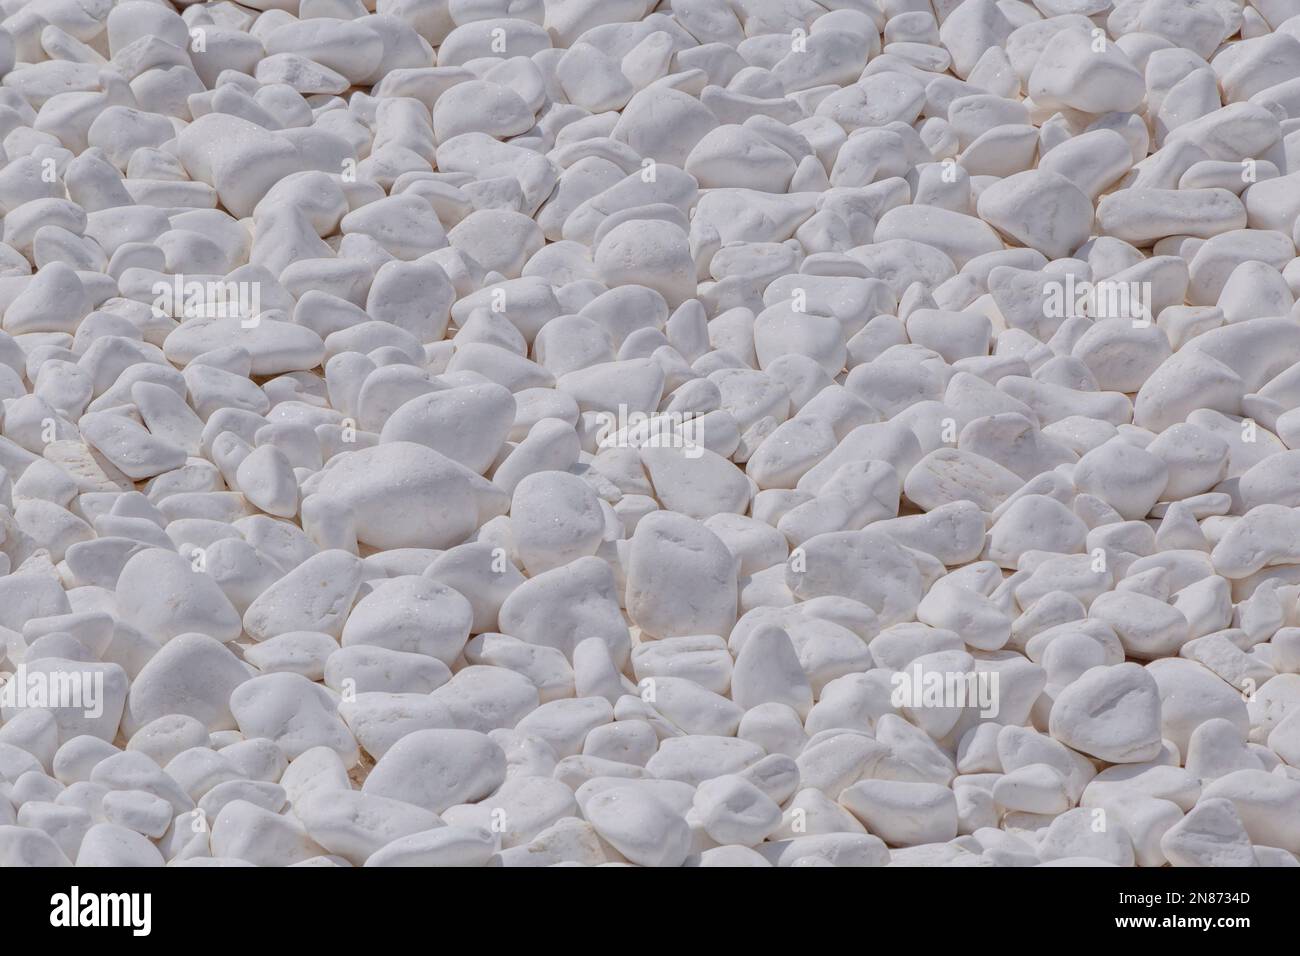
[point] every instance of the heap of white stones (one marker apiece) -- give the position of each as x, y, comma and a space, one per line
667, 432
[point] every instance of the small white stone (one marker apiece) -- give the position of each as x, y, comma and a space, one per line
1110, 712
640, 826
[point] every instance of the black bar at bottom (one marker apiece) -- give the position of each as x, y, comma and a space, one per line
342, 908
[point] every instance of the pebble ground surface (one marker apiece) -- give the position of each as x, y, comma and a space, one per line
652, 432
